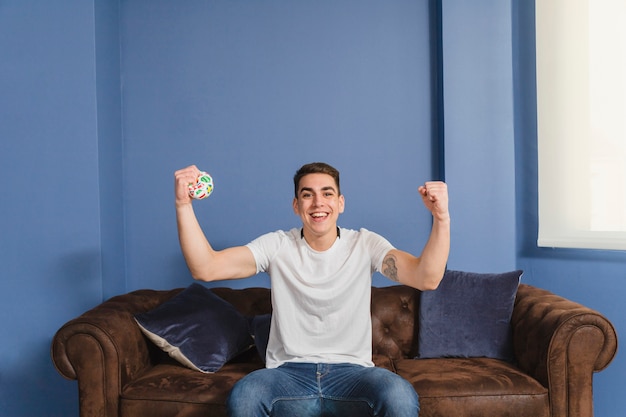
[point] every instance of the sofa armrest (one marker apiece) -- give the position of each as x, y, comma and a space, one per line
104, 349
561, 344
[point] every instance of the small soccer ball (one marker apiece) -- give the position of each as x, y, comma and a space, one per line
202, 188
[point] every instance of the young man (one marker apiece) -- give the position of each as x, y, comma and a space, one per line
319, 355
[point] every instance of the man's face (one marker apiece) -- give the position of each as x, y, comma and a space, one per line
318, 204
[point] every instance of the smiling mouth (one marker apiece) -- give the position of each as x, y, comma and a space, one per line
319, 215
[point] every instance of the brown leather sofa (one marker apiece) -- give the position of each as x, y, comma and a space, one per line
558, 345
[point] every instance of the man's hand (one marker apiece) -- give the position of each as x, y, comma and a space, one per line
435, 197
182, 179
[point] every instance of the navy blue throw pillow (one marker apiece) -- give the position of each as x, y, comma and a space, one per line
197, 328
468, 315
260, 329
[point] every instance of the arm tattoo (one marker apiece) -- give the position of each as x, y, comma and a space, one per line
389, 268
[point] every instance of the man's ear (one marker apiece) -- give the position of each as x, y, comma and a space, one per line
342, 203
294, 205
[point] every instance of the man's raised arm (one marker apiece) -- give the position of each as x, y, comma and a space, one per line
205, 263
426, 271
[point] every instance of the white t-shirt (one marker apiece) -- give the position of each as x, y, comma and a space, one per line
320, 300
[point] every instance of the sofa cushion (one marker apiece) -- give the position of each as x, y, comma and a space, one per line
466, 387
468, 315
197, 328
173, 390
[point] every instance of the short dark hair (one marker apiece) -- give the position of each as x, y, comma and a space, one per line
315, 168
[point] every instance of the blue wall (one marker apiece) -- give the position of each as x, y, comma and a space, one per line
110, 146
50, 249
251, 91
100, 101
479, 139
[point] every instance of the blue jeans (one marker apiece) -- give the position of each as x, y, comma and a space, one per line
323, 390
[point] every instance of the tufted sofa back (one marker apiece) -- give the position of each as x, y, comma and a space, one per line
394, 313
395, 321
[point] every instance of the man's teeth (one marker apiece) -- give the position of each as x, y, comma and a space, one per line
319, 214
